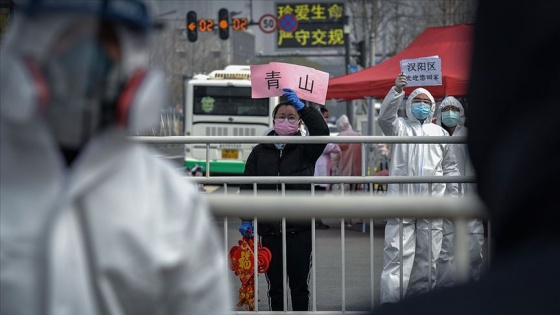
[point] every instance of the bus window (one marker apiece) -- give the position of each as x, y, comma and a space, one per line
231, 101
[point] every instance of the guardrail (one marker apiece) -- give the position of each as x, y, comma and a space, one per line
364, 205
306, 139
266, 206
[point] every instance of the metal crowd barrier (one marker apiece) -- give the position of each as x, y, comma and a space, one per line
364, 205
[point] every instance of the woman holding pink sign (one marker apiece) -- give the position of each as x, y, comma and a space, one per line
287, 159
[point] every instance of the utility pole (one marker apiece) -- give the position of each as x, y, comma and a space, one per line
372, 114
373, 32
346, 28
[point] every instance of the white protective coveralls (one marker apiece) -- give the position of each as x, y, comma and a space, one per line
119, 231
418, 267
475, 227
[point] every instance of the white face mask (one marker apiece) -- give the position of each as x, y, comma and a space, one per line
450, 118
420, 110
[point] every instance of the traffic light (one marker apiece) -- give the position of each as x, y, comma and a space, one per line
192, 28
223, 23
361, 58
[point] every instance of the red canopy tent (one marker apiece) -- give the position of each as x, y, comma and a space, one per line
451, 43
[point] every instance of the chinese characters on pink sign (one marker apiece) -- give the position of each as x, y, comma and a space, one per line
269, 80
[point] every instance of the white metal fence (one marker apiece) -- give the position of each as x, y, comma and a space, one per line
367, 204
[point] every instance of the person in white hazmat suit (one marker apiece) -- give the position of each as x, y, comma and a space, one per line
421, 238
92, 222
451, 116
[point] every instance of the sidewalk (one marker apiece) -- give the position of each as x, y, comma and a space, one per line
328, 264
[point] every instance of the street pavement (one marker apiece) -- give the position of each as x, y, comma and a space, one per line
328, 264
357, 294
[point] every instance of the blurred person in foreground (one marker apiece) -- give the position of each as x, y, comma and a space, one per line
421, 238
506, 136
286, 159
92, 222
451, 116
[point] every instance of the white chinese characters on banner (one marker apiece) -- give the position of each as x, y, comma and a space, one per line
269, 79
425, 71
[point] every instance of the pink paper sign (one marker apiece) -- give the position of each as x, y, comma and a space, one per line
269, 80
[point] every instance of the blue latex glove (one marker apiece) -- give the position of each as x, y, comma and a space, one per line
293, 98
246, 228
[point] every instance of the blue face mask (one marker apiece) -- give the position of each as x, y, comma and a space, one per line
450, 118
420, 110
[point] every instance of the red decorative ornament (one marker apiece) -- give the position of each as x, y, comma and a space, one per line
241, 262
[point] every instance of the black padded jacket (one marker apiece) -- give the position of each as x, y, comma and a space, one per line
295, 159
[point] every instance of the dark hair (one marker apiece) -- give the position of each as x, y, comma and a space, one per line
285, 103
323, 109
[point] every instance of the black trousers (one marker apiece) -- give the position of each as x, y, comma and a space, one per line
298, 250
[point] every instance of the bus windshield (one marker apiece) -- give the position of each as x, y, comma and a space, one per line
230, 101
